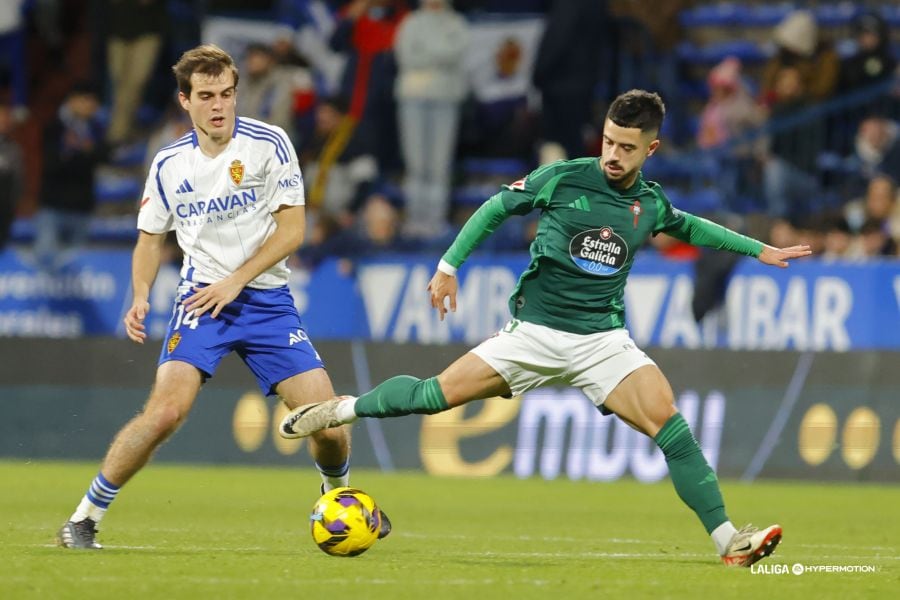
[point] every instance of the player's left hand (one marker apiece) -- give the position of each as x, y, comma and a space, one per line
443, 287
779, 257
213, 297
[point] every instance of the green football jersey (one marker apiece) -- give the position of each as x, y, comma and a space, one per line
587, 237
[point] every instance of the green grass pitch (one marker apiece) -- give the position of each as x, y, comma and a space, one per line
227, 532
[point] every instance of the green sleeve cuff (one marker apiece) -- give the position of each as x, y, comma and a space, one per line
698, 231
481, 224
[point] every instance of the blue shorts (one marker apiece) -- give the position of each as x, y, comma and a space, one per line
262, 326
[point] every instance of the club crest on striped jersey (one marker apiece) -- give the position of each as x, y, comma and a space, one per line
236, 170
600, 252
173, 342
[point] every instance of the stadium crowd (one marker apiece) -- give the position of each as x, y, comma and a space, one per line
783, 120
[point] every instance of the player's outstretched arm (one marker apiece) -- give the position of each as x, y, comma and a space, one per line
442, 287
482, 223
779, 257
701, 232
144, 267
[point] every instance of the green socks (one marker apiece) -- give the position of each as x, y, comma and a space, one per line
692, 476
402, 395
694, 479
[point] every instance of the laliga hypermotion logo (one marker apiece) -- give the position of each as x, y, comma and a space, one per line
599, 251
236, 170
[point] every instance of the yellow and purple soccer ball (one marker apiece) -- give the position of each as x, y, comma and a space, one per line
345, 522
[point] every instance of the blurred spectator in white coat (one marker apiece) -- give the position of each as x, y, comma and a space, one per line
430, 88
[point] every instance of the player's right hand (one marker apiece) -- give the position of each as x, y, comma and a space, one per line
441, 287
134, 321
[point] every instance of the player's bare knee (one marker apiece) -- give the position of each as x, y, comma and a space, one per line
290, 403
334, 437
661, 414
164, 420
460, 384
453, 395
651, 413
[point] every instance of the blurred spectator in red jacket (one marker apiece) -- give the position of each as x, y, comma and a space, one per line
365, 33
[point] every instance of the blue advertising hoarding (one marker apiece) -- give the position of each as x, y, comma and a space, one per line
812, 305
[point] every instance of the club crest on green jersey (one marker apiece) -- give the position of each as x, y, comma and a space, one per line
599, 251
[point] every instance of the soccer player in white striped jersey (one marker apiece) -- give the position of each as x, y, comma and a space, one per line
232, 191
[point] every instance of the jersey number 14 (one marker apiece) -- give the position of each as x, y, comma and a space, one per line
183, 317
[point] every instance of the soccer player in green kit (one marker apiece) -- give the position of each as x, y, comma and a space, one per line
568, 320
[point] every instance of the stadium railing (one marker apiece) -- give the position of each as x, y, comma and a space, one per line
695, 175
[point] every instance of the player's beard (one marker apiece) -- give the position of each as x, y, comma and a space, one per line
617, 180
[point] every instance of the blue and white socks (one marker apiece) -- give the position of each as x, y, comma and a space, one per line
95, 502
101, 492
336, 476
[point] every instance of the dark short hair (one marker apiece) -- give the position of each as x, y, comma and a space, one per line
638, 109
207, 59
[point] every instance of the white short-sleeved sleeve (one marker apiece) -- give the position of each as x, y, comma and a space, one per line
155, 214
284, 182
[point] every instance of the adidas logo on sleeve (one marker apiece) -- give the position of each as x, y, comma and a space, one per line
184, 188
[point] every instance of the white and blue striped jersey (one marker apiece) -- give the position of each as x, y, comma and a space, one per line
221, 208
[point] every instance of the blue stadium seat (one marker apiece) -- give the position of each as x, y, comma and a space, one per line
680, 167
693, 90
114, 229
838, 14
846, 47
120, 229
115, 188
748, 52
473, 195
147, 115
710, 15
735, 15
764, 15
704, 200
22, 230
663, 168
131, 155
891, 14
699, 201
690, 53
102, 116
505, 167
675, 196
